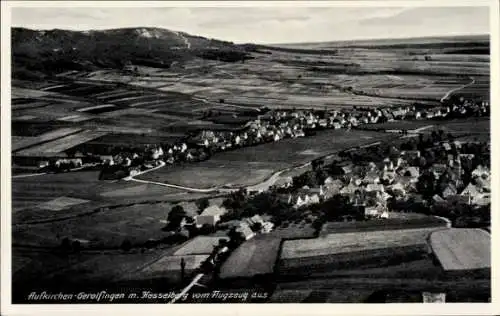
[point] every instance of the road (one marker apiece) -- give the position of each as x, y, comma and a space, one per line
28, 175
456, 89
187, 288
130, 178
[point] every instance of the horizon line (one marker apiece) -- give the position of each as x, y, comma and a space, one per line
256, 42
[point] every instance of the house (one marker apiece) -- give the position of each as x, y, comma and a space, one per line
483, 199
332, 188
472, 192
349, 189
446, 146
43, 164
398, 189
342, 169
376, 211
373, 187
336, 125
480, 171
406, 182
410, 154
388, 176
483, 183
371, 178
438, 169
412, 172
210, 215
245, 231
253, 220
398, 114
437, 199
450, 190
107, 159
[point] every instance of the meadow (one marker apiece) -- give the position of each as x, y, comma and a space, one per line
251, 165
252, 258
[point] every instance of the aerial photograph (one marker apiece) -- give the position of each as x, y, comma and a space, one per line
244, 154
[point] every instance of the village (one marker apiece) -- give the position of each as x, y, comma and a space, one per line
433, 176
272, 126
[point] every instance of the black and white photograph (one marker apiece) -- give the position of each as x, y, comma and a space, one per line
233, 153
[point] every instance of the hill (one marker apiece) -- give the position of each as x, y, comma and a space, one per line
40, 53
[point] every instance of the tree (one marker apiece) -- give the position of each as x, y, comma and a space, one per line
126, 245
76, 245
176, 216
206, 229
235, 238
66, 244
202, 204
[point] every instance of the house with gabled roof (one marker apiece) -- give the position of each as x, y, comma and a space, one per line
332, 188
349, 189
371, 177
449, 190
245, 231
438, 169
210, 215
483, 183
412, 172
480, 171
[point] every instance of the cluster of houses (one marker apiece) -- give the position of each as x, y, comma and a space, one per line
247, 227
395, 179
281, 124
274, 126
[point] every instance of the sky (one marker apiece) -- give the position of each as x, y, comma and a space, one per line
269, 25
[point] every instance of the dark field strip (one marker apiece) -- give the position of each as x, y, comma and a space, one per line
22, 101
325, 264
101, 110
33, 129
33, 105
384, 224
123, 94
88, 91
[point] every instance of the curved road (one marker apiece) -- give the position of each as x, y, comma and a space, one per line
456, 89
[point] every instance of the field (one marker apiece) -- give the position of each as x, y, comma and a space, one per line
108, 228
455, 127
232, 168
351, 242
391, 223
294, 231
254, 257
18, 144
462, 249
61, 203
327, 255
59, 145
40, 269
198, 245
29, 192
106, 108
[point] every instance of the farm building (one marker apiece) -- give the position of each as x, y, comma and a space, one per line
211, 215
245, 231
462, 250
